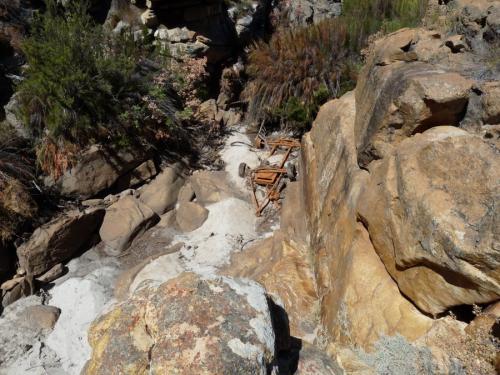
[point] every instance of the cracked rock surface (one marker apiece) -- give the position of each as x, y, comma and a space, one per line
188, 325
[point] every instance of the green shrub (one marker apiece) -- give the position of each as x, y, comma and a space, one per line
83, 86
286, 73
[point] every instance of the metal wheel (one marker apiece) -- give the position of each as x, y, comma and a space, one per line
281, 186
242, 170
291, 171
259, 142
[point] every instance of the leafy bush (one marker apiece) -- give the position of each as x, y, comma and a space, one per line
84, 86
299, 69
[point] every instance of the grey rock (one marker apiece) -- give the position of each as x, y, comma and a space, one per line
59, 240
302, 12
52, 274
23, 289
13, 119
186, 193
125, 220
180, 35
97, 169
161, 193
40, 317
190, 216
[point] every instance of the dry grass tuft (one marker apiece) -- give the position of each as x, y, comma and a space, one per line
304, 63
299, 69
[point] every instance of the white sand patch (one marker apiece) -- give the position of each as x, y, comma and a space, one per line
81, 300
158, 271
238, 150
229, 225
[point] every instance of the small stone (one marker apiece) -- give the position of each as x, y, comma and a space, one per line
10, 284
110, 199
41, 317
191, 216
203, 39
456, 43
125, 193
161, 33
168, 220
52, 274
21, 271
186, 194
180, 35
20, 290
149, 19
93, 202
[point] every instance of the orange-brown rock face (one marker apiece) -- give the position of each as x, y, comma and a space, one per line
400, 183
360, 302
413, 80
431, 213
283, 269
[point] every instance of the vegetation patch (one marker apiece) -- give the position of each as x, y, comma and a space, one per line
297, 70
16, 173
84, 86
395, 355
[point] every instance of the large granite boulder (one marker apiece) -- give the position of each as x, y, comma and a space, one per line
432, 214
366, 303
188, 325
190, 216
284, 270
411, 82
211, 186
360, 302
97, 169
125, 220
59, 240
161, 194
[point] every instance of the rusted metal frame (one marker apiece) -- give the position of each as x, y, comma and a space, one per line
269, 195
254, 195
272, 193
285, 158
262, 180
